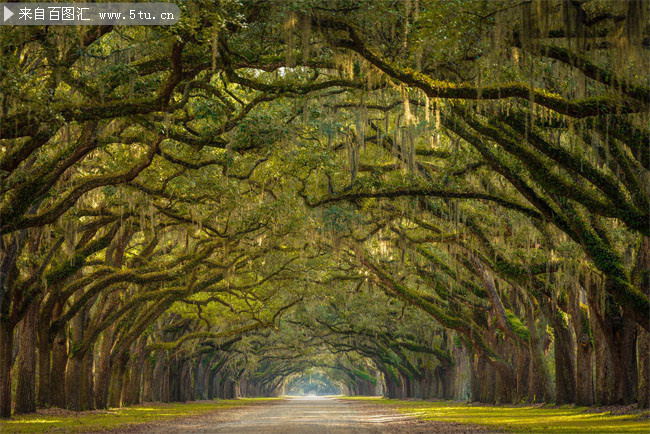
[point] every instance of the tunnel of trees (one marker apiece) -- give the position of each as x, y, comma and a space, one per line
414, 198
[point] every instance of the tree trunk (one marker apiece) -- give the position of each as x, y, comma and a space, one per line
523, 373
427, 388
114, 257
165, 395
209, 380
217, 385
625, 363
401, 386
475, 382
407, 386
59, 362
604, 389
505, 385
642, 279
86, 394
540, 388
147, 381
174, 380
74, 369
183, 381
73, 378
135, 372
103, 369
158, 377
643, 389
617, 355
26, 372
488, 387
44, 358
126, 382
199, 384
6, 361
189, 390
232, 389
565, 383
391, 385
505, 378
117, 379
584, 351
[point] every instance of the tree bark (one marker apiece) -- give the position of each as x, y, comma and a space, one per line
584, 350
604, 386
6, 361
103, 376
209, 381
126, 382
615, 354
44, 358
488, 386
641, 277
135, 372
158, 377
87, 395
475, 382
391, 385
74, 371
565, 383
625, 363
26, 371
199, 384
117, 378
73, 379
505, 379
114, 257
174, 380
523, 373
59, 362
643, 391
147, 381
217, 385
165, 395
184, 381
540, 387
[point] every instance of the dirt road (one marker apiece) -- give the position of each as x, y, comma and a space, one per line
307, 415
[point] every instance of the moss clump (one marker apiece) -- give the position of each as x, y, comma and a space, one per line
585, 325
364, 375
517, 326
65, 270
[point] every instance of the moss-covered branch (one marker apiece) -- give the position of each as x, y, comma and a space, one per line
427, 192
449, 90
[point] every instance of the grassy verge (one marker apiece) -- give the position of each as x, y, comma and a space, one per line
521, 419
53, 420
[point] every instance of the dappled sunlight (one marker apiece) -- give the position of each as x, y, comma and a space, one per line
31, 421
522, 418
119, 417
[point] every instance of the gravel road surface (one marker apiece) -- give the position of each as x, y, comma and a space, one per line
306, 415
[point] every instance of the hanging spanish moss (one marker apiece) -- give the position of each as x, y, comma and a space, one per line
289, 27
306, 35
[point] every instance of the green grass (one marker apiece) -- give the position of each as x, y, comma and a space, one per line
98, 420
521, 419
